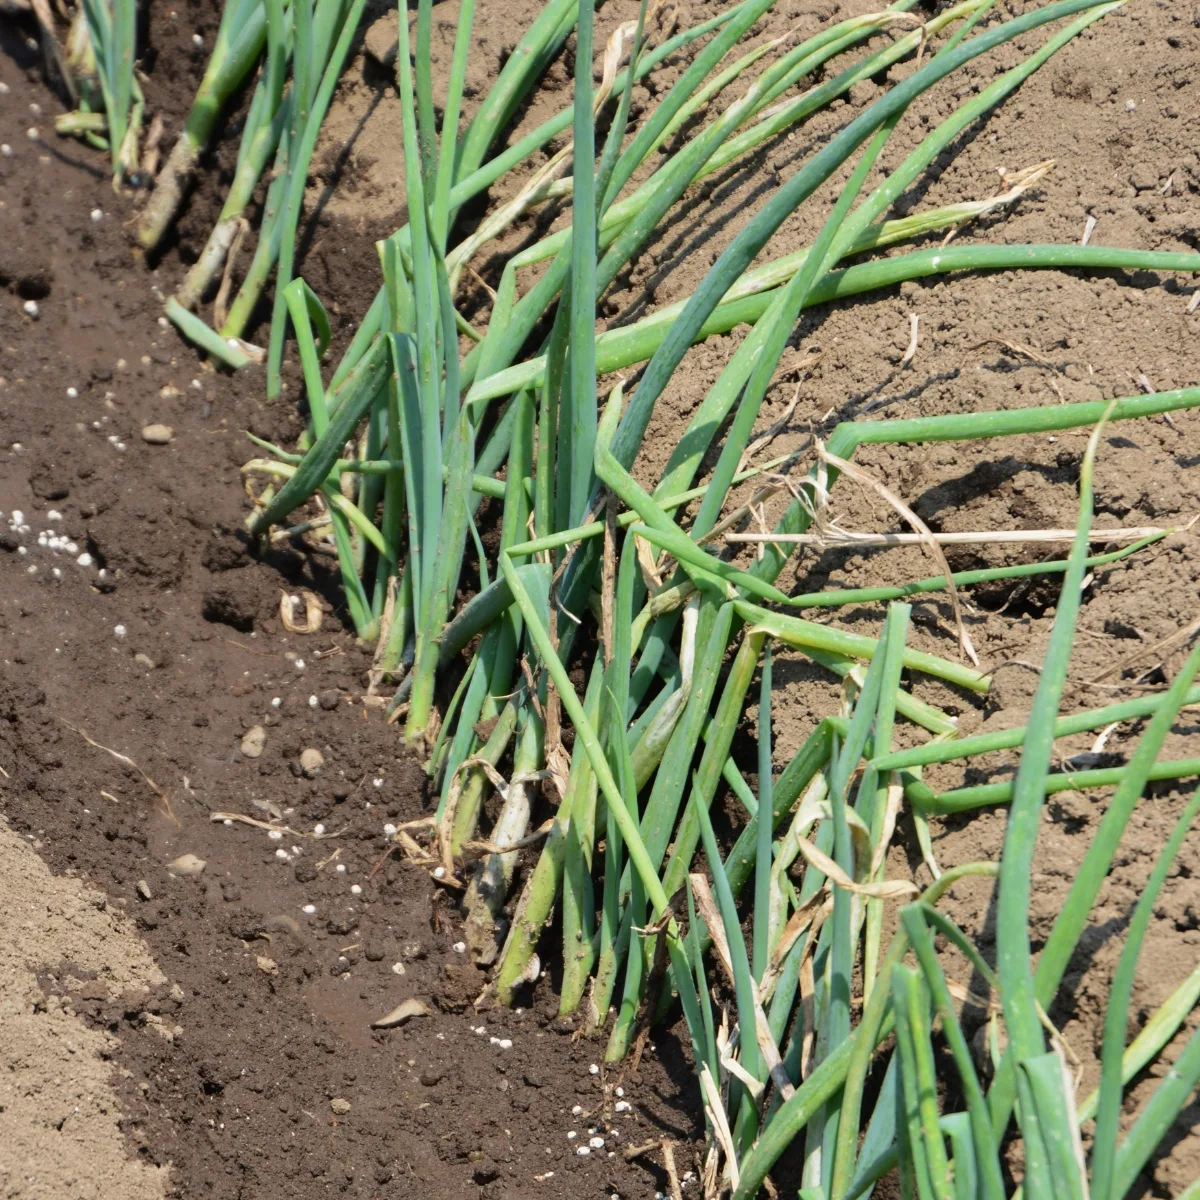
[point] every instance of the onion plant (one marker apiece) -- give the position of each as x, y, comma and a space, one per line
307, 45
99, 66
426, 417
239, 43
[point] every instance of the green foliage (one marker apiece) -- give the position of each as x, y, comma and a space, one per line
439, 416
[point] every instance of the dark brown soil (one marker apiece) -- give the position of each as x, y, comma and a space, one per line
275, 1020
168, 658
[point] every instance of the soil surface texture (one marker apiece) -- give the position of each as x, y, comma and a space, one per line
168, 1031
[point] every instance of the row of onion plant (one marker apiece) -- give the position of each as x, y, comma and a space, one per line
426, 417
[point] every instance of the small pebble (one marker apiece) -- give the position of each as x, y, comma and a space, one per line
622, 1106
309, 908
389, 829
571, 1136
276, 702
378, 782
31, 308
119, 631
36, 109
341, 868
157, 435
84, 560
298, 664
459, 947
72, 394
397, 968
31, 133
227, 823
97, 215
620, 1091
577, 1111
340, 1106
1130, 105
596, 1143
313, 702
6, 150
318, 830
583, 1151
282, 854
439, 872
355, 890
593, 1069
276, 835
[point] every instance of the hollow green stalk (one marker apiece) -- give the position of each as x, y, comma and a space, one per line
623, 347
306, 127
1108, 1112
240, 38
270, 116
1014, 955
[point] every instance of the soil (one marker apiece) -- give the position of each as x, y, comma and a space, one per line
231, 1025
62, 946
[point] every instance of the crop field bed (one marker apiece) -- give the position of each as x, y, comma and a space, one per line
219, 1034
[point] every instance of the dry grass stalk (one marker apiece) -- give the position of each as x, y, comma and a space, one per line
834, 535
